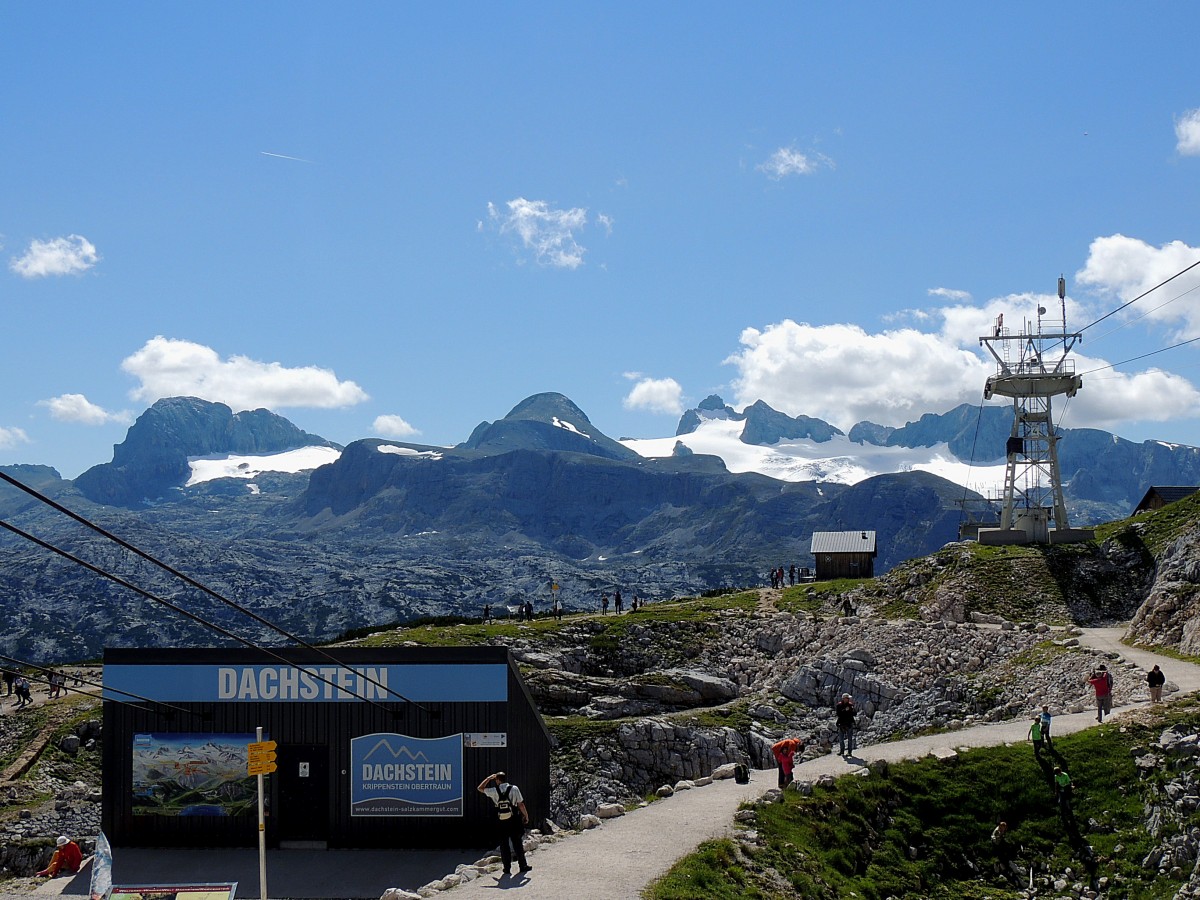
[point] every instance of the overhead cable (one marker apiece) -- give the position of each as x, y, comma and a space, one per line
190, 615
82, 520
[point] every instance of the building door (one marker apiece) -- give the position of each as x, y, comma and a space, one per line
302, 818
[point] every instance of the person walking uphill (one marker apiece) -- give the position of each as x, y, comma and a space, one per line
1155, 679
510, 810
785, 754
1101, 682
844, 710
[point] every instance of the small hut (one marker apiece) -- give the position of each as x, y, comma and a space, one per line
844, 554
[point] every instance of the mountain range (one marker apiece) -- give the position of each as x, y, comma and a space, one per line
322, 539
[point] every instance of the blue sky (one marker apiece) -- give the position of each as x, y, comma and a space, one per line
396, 220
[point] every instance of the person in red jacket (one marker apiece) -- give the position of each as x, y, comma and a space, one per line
785, 754
1101, 682
67, 858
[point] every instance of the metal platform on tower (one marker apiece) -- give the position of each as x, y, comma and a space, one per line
1032, 368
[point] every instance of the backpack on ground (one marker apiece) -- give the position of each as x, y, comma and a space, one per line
504, 805
741, 773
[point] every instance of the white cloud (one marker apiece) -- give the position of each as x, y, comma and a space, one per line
550, 234
78, 408
10, 437
789, 161
1110, 399
950, 294
1187, 133
657, 395
1126, 267
842, 374
393, 427
69, 255
173, 368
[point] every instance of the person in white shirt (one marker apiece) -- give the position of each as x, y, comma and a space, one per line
510, 809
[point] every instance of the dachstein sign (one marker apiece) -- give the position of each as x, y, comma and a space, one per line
282, 683
398, 775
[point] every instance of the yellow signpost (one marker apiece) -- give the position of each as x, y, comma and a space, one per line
260, 758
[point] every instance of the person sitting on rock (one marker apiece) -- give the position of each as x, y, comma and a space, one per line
66, 860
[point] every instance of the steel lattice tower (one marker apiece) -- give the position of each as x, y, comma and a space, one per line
1033, 368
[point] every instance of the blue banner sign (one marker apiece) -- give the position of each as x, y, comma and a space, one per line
398, 775
430, 683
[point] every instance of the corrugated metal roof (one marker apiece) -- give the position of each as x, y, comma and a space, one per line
843, 542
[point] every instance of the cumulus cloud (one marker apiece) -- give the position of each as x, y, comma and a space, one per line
657, 395
393, 427
950, 294
788, 161
10, 437
845, 374
166, 367
551, 235
1187, 133
1124, 267
79, 409
69, 255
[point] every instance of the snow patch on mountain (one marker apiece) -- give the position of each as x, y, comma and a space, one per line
408, 451
229, 465
838, 460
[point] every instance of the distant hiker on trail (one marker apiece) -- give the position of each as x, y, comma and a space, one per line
58, 684
1101, 682
785, 754
21, 688
487, 613
528, 610
633, 605
67, 858
9, 677
618, 603
558, 610
1035, 735
844, 710
1046, 720
792, 574
847, 609
604, 604
1155, 680
513, 817
1063, 789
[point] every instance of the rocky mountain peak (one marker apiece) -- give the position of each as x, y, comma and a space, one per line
153, 458
547, 421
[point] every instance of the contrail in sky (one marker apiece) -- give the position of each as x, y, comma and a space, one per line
282, 156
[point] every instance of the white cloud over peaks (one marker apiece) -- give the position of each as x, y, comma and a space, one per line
10, 437
789, 161
78, 408
1187, 133
842, 374
551, 235
657, 395
1110, 399
393, 427
173, 368
1126, 267
69, 255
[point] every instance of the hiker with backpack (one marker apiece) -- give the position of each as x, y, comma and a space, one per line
510, 810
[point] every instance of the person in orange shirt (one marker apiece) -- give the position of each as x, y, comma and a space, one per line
67, 858
785, 754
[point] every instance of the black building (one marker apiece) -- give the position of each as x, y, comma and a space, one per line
376, 747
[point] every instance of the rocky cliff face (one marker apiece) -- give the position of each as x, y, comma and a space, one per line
153, 458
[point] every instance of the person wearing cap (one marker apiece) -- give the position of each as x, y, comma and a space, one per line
844, 711
67, 858
1101, 682
513, 817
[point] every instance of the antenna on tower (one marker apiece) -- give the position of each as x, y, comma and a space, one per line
1033, 489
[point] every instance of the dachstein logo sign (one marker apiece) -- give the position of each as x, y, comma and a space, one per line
398, 775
